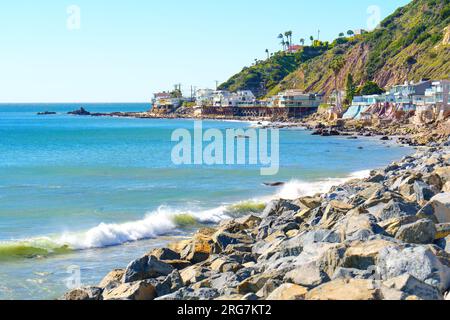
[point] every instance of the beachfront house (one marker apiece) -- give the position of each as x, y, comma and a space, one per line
165, 102
361, 106
204, 97
297, 102
407, 95
434, 104
225, 98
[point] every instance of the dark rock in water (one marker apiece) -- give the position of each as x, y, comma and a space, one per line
360, 148
385, 138
334, 133
353, 138
80, 112
46, 113
273, 184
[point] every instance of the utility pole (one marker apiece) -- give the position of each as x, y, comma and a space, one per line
318, 35
217, 84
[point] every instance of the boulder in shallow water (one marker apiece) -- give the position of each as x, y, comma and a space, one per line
145, 268
80, 112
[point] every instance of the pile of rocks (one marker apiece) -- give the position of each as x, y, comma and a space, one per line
386, 237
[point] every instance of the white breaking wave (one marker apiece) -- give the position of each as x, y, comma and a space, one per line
297, 188
166, 220
161, 222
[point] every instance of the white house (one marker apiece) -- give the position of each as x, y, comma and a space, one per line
204, 97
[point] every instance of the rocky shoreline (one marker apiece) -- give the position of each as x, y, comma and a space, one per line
386, 237
406, 133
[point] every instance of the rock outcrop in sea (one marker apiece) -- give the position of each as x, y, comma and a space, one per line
386, 237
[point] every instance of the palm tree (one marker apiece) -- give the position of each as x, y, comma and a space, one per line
288, 35
312, 39
302, 41
268, 55
341, 35
281, 37
283, 43
336, 66
350, 33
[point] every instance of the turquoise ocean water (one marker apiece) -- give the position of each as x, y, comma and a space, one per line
91, 194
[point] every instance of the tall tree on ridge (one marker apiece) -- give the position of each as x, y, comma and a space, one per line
312, 39
336, 66
281, 37
268, 55
350, 89
302, 41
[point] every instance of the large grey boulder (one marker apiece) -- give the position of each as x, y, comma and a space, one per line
112, 279
440, 205
224, 239
417, 261
165, 254
145, 268
309, 275
277, 207
170, 284
423, 191
413, 287
138, 290
321, 235
398, 208
420, 232
191, 295
352, 273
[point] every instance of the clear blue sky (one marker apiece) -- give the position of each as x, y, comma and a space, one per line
125, 51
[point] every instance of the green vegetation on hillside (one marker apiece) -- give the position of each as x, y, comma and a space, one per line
263, 76
408, 45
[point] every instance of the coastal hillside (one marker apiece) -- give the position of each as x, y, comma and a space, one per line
264, 76
410, 44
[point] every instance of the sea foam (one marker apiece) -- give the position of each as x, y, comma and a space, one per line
163, 221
